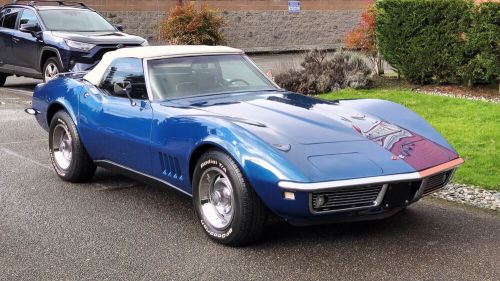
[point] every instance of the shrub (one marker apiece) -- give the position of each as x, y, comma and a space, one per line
363, 38
482, 47
188, 25
321, 74
424, 39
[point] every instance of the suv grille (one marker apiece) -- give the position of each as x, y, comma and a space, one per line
347, 198
108, 48
436, 182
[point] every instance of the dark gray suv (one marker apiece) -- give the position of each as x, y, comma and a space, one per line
42, 41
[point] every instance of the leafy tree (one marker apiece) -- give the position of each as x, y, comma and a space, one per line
363, 38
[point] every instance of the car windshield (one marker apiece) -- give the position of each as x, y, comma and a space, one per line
75, 20
205, 75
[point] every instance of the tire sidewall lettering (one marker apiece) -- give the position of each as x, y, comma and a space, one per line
214, 234
210, 162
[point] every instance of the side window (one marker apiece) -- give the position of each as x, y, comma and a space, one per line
28, 17
126, 69
9, 18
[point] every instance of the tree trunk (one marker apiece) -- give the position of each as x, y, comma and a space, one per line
380, 66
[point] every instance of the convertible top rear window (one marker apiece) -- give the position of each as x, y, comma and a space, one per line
203, 75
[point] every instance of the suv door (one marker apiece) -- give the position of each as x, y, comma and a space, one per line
26, 46
110, 126
8, 19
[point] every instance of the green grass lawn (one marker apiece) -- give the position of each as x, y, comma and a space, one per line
471, 127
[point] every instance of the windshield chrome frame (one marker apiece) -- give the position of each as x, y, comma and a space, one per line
245, 57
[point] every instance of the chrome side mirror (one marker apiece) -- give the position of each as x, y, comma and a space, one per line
124, 88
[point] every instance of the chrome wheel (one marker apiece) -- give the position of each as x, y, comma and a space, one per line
62, 147
216, 198
51, 70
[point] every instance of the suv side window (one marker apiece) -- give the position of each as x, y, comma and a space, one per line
9, 18
126, 69
28, 17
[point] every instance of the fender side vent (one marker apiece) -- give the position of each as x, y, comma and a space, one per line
170, 166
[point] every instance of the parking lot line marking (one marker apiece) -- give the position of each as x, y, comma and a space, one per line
15, 154
21, 142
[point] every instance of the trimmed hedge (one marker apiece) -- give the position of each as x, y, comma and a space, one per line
450, 41
482, 48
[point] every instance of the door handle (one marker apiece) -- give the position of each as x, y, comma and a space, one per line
85, 95
16, 40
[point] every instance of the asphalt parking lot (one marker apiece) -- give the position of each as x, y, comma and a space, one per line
117, 229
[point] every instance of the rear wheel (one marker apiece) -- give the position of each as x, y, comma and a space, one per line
51, 69
67, 153
229, 210
3, 78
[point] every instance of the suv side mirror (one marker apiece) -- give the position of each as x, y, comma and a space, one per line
119, 27
29, 28
124, 88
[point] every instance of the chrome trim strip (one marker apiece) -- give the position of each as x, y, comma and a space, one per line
346, 183
146, 79
381, 195
376, 203
315, 186
143, 174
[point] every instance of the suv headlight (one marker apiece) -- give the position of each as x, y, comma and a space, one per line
79, 45
145, 43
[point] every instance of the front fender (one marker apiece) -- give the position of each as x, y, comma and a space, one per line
399, 115
262, 165
179, 136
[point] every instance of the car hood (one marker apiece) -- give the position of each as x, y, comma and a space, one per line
330, 136
112, 37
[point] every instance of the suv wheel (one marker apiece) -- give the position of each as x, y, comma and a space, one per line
3, 77
51, 68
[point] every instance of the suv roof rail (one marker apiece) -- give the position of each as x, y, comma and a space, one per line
60, 3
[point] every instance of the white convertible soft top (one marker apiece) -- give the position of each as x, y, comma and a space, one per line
95, 75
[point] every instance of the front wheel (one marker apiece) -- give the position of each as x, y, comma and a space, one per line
229, 210
51, 69
67, 153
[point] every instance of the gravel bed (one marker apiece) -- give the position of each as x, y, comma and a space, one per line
476, 98
486, 199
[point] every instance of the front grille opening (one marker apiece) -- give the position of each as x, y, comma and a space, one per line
346, 198
108, 48
436, 182
400, 194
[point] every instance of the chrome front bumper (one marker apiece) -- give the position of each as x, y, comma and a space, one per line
370, 192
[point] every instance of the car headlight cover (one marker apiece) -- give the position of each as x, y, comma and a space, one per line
145, 43
79, 45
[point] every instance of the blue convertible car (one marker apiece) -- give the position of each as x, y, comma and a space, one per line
207, 122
